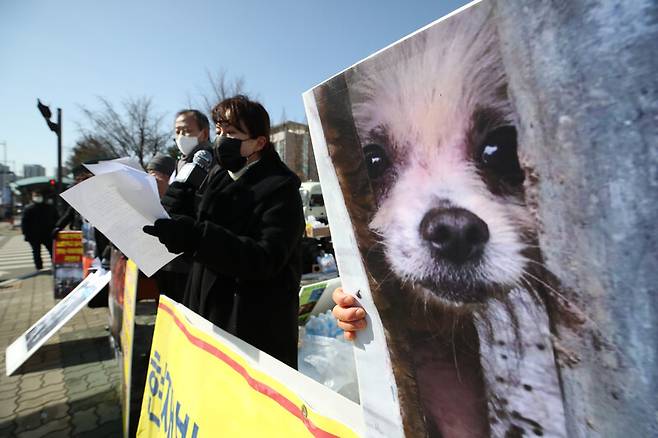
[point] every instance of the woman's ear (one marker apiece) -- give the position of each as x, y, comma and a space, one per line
260, 143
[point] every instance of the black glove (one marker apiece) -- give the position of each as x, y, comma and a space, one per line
179, 199
53, 235
179, 235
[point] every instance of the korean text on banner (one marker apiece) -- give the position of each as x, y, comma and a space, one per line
67, 262
202, 381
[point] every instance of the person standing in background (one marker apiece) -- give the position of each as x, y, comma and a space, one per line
37, 224
161, 167
192, 130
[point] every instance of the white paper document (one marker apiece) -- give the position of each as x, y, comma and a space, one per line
112, 165
119, 203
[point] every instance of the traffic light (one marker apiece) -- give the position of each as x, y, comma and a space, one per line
56, 127
47, 114
44, 110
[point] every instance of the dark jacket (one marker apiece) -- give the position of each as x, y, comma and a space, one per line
38, 222
251, 246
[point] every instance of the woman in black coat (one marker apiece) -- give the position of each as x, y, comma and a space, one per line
245, 237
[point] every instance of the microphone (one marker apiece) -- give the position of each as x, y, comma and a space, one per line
195, 172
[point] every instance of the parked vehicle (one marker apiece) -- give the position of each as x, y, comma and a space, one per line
312, 200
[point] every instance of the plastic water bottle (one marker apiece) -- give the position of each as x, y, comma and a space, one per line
327, 263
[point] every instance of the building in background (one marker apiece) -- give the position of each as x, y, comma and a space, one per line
293, 143
6, 177
30, 170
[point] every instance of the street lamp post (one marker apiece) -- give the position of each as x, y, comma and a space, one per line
59, 151
57, 129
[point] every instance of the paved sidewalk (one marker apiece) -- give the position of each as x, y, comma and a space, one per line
70, 386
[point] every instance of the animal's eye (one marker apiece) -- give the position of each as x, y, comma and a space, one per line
499, 155
376, 160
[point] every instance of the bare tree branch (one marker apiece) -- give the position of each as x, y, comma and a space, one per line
221, 86
136, 131
87, 148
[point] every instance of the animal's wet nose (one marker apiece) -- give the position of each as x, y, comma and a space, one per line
454, 234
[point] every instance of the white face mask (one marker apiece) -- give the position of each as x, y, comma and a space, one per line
37, 199
186, 144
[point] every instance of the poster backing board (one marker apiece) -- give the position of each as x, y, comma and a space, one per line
34, 337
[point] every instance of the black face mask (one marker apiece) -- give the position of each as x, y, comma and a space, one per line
227, 151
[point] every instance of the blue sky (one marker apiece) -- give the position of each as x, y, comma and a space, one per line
69, 52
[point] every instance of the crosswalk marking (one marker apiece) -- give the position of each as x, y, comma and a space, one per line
16, 254
22, 256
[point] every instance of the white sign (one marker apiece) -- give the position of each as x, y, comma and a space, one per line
30, 341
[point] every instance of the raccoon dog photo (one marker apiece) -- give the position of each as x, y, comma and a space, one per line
450, 227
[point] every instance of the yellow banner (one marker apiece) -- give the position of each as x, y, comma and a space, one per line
127, 338
203, 382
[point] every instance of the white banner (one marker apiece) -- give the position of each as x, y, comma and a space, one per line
33, 338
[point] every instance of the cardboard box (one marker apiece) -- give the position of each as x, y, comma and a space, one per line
318, 232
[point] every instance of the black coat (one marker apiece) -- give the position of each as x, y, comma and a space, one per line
38, 222
251, 246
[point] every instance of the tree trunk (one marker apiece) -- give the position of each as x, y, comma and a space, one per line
583, 76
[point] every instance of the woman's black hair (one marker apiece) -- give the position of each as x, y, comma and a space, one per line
244, 114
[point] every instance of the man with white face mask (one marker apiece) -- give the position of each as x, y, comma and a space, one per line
192, 134
191, 129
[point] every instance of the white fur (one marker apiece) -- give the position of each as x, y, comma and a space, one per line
422, 93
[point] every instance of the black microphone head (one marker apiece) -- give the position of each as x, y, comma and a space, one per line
203, 159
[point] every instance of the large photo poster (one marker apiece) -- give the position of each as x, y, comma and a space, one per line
423, 143
439, 224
